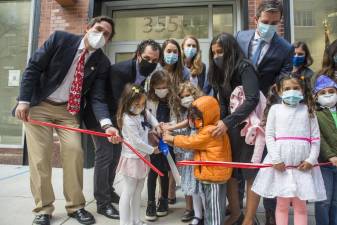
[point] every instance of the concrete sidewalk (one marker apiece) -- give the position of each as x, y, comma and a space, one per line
16, 201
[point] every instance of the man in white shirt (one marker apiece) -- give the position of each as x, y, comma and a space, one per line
61, 77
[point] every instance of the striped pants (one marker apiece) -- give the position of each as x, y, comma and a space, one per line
215, 203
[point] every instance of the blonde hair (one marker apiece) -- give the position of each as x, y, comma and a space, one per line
196, 65
188, 86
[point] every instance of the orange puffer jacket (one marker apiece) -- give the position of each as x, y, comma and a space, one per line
206, 147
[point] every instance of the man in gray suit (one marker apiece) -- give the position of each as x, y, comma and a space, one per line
271, 55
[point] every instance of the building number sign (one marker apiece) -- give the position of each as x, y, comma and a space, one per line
161, 23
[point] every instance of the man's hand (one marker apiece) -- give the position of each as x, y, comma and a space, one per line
333, 160
304, 166
115, 138
22, 111
280, 167
220, 129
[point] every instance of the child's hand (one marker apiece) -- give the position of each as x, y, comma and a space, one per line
280, 167
333, 160
168, 138
158, 130
156, 150
304, 166
166, 127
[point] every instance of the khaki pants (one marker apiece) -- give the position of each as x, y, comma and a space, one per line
40, 148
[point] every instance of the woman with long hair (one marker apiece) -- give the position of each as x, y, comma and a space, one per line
192, 59
228, 69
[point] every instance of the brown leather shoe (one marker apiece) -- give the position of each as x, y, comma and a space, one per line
270, 218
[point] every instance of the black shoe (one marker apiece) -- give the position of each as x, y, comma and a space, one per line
162, 209
43, 219
172, 201
83, 216
109, 211
114, 197
200, 221
151, 212
188, 216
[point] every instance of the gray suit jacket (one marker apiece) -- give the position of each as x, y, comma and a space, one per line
276, 61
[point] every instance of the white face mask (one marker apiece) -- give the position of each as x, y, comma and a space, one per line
161, 93
187, 101
96, 39
327, 100
136, 110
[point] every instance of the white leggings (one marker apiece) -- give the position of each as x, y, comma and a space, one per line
129, 203
198, 205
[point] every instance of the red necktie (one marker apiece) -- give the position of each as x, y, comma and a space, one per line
74, 100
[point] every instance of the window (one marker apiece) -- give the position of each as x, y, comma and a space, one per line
14, 32
310, 17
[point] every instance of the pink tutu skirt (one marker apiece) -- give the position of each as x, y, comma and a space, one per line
132, 167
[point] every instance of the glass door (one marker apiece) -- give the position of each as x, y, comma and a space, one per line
161, 23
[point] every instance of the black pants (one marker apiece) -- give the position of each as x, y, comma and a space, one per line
152, 183
106, 161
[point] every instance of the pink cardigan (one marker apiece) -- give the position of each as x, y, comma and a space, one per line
253, 132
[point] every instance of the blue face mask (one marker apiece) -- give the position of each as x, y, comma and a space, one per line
266, 31
190, 52
170, 58
292, 97
298, 60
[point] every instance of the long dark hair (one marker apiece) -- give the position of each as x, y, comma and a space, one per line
232, 57
177, 74
273, 95
308, 61
130, 94
329, 66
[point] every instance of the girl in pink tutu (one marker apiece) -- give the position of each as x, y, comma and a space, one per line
134, 122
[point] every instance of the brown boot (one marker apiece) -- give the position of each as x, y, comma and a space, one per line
270, 217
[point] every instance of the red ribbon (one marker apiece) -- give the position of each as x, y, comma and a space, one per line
100, 134
236, 164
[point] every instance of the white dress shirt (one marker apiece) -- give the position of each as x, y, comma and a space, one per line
253, 46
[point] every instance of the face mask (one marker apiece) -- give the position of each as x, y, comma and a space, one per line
136, 110
327, 100
190, 52
218, 61
266, 31
187, 101
170, 58
146, 68
292, 97
96, 39
161, 93
298, 60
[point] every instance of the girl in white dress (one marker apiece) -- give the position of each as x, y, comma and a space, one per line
134, 121
293, 143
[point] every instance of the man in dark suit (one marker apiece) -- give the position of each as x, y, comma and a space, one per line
107, 155
268, 51
271, 55
55, 88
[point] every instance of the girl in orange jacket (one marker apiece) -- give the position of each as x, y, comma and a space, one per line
203, 116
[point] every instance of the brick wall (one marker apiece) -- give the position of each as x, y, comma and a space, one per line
252, 7
55, 17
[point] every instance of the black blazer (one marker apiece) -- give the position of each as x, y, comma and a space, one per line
120, 74
49, 65
276, 61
